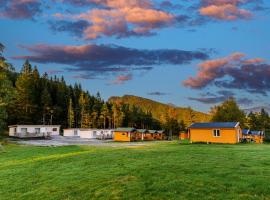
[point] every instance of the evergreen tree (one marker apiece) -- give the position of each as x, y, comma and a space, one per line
70, 114
229, 111
7, 91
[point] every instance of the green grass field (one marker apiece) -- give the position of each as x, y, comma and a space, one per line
165, 170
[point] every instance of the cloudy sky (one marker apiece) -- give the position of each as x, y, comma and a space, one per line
187, 52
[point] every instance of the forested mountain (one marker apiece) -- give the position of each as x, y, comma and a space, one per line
162, 111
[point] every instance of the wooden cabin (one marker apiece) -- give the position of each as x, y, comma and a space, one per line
160, 135
125, 134
253, 136
140, 134
216, 132
148, 136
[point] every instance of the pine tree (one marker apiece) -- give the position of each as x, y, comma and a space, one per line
7, 91
70, 117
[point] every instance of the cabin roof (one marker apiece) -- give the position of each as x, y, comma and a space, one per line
246, 131
152, 131
215, 125
141, 130
125, 129
160, 131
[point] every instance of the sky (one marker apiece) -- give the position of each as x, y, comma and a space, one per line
194, 53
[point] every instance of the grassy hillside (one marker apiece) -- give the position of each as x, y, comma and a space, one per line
164, 170
159, 110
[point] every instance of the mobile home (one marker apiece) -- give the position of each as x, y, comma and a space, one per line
29, 131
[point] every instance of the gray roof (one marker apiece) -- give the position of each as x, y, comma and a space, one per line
125, 129
215, 125
160, 131
152, 131
141, 130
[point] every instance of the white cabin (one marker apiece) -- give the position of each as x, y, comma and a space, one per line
27, 131
89, 133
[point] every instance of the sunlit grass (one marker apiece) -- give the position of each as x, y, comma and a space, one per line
164, 170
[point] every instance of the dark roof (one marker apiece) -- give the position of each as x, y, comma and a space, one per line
214, 125
125, 129
246, 131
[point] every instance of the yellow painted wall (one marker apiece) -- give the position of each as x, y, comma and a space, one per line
227, 135
122, 136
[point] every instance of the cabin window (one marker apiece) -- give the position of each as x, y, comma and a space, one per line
24, 130
37, 130
216, 133
94, 133
75, 132
54, 129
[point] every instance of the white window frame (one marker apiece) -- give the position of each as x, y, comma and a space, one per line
215, 131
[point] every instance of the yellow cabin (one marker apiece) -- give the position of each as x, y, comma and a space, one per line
125, 134
253, 136
216, 132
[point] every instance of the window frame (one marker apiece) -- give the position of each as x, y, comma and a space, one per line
215, 131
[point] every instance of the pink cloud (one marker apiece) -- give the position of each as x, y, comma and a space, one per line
212, 69
124, 18
254, 61
122, 79
224, 9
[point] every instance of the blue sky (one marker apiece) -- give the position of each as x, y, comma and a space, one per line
190, 54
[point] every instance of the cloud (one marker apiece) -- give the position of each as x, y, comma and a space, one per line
19, 9
108, 58
157, 93
123, 18
221, 96
233, 72
225, 9
121, 79
53, 71
75, 28
211, 70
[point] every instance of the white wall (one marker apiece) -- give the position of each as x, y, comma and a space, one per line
32, 130
71, 132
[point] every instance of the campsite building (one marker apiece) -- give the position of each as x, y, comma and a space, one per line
216, 132
89, 133
31, 131
253, 136
125, 134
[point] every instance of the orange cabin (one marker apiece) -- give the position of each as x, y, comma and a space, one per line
125, 134
216, 132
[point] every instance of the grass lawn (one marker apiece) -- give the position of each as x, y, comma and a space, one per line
165, 170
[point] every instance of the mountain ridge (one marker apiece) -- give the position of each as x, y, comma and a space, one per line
160, 110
